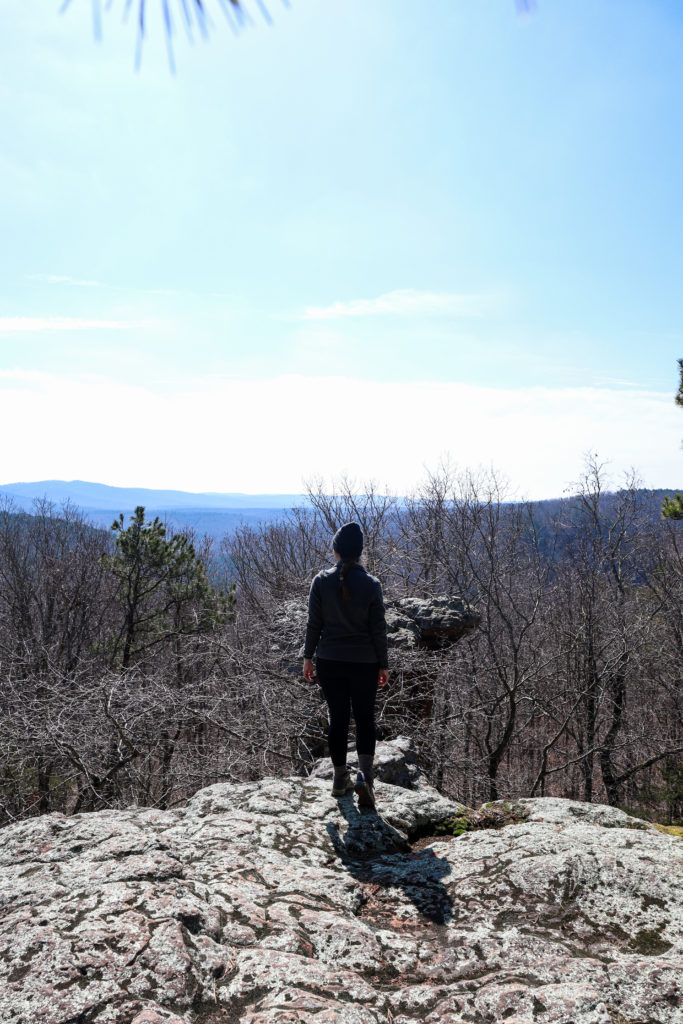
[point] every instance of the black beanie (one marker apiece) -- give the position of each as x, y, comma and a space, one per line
348, 540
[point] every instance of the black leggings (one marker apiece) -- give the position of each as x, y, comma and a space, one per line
348, 684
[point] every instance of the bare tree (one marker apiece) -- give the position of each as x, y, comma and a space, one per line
570, 686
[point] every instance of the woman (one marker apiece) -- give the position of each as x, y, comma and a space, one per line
346, 623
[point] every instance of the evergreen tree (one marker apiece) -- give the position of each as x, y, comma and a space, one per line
162, 587
672, 508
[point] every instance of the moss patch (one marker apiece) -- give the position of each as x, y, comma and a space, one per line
453, 826
670, 830
649, 942
492, 815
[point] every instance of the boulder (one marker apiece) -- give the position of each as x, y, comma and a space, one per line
431, 622
271, 901
395, 762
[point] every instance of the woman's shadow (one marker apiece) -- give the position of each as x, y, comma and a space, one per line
376, 853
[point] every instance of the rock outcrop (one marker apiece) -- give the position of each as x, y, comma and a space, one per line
412, 623
273, 902
435, 622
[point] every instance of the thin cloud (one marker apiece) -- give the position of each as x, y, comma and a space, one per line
14, 324
403, 302
63, 279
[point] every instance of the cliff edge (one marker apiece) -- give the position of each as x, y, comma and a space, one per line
273, 902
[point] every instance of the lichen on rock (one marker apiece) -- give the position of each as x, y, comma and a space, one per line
273, 902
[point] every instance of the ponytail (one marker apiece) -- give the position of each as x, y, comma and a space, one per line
343, 567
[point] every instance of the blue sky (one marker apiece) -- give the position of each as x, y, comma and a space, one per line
364, 238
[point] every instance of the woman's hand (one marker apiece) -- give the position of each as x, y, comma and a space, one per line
383, 677
309, 670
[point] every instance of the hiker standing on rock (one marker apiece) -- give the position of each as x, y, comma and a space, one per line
346, 623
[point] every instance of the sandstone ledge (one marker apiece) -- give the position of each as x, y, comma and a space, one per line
273, 902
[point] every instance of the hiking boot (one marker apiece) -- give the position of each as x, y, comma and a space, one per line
365, 791
343, 785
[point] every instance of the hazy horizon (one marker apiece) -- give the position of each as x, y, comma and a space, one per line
169, 498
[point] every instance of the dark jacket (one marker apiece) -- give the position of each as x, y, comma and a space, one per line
347, 630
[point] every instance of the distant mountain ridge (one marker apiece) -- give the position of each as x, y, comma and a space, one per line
105, 497
210, 512
205, 512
